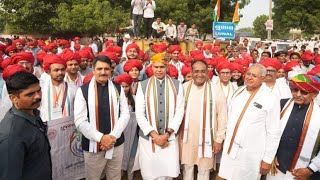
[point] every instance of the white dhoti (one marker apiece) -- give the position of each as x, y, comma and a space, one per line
161, 163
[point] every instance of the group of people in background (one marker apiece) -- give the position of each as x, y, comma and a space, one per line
246, 113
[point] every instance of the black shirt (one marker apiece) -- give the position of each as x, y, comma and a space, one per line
24, 147
290, 137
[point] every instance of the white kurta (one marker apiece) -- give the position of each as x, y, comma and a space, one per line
281, 89
257, 137
162, 162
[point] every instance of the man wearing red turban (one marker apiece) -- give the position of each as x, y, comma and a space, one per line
11, 70
72, 67
51, 48
84, 69
198, 45
19, 44
57, 94
25, 59
207, 50
307, 57
133, 67
174, 51
223, 84
186, 73
279, 86
10, 50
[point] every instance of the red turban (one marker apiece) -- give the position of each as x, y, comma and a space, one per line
11, 70
188, 60
195, 52
77, 47
219, 59
215, 50
132, 46
185, 70
143, 56
207, 47
88, 78
40, 56
68, 55
173, 71
41, 43
5, 63
159, 48
84, 53
196, 44
244, 62
117, 49
224, 65
31, 43
149, 71
131, 64
211, 61
126, 78
216, 44
307, 56
289, 65
238, 67
76, 38
314, 71
112, 55
306, 83
65, 43
317, 60
10, 48
107, 43
52, 59
27, 56
173, 48
181, 57
18, 41
271, 62
199, 57
50, 47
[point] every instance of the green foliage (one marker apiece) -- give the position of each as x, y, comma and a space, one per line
259, 26
102, 16
301, 14
246, 29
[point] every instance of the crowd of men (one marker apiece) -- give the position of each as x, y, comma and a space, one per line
247, 113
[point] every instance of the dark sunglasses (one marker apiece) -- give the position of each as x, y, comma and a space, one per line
295, 90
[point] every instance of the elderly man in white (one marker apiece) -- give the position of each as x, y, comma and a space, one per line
253, 129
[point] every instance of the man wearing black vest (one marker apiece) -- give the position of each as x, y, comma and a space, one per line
101, 114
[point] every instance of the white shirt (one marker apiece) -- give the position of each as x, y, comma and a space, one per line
137, 7
94, 48
157, 26
149, 9
171, 31
124, 46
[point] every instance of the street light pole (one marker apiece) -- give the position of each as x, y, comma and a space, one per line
270, 18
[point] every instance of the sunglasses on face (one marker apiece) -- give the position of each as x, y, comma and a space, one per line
295, 90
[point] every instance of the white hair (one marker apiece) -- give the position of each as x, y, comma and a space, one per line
263, 70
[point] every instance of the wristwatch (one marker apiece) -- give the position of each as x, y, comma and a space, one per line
169, 131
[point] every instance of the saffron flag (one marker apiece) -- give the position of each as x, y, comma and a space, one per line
216, 12
236, 17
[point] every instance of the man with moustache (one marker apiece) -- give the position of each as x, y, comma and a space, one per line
101, 115
298, 153
253, 129
24, 146
72, 61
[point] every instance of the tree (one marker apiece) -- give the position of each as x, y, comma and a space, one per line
301, 14
93, 17
246, 29
28, 16
259, 26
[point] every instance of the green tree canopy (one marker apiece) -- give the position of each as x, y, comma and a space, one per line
103, 16
301, 14
259, 26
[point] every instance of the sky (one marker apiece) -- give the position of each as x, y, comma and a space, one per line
251, 11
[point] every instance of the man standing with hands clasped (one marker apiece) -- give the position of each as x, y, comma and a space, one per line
159, 112
253, 129
101, 114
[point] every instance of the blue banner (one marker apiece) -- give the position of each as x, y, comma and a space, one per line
225, 30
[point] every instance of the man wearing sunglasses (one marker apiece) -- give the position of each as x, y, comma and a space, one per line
298, 152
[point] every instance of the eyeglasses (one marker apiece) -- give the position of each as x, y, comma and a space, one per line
302, 92
271, 71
